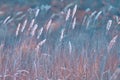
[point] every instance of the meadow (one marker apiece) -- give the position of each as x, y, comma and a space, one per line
62, 40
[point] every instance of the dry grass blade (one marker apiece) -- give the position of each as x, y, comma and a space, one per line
112, 42
68, 14
74, 11
34, 29
5, 21
74, 23
109, 25
24, 25
18, 28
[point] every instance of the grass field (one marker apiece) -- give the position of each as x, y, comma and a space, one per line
59, 40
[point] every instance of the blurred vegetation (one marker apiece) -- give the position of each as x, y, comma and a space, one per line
83, 4
27, 2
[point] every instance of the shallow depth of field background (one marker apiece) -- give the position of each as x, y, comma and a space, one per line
59, 40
